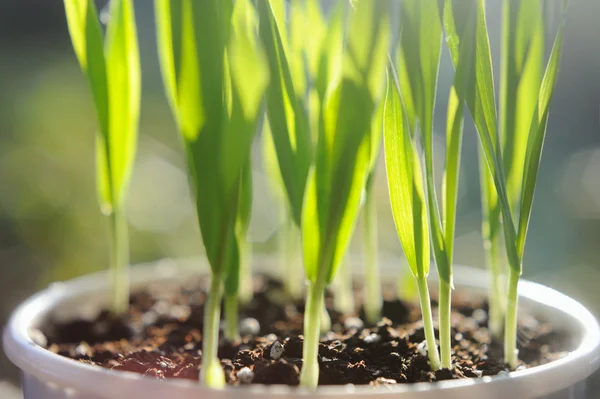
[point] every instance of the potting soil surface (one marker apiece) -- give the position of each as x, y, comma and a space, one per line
161, 336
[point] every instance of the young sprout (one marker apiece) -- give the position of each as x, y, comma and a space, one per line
419, 57
286, 137
294, 105
479, 96
338, 177
111, 65
407, 197
520, 78
288, 238
239, 270
373, 299
215, 75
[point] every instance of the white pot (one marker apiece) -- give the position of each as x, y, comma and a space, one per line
50, 376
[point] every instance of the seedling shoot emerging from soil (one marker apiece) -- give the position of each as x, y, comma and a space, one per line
111, 64
479, 97
215, 74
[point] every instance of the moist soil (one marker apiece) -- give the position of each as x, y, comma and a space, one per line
161, 336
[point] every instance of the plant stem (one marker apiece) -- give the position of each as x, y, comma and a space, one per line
343, 292
232, 333
445, 311
291, 259
432, 351
309, 377
496, 305
119, 274
246, 286
373, 301
212, 374
511, 352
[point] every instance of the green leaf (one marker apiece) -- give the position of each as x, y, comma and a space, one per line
454, 126
239, 247
376, 135
270, 164
287, 118
367, 44
325, 57
124, 89
521, 75
315, 38
220, 74
537, 134
169, 46
454, 133
336, 182
86, 36
420, 47
405, 182
479, 97
113, 71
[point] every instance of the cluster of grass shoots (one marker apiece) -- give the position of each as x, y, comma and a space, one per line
215, 74
511, 146
321, 78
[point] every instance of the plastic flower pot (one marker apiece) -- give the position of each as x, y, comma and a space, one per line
50, 376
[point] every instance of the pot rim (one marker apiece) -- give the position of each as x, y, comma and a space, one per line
62, 371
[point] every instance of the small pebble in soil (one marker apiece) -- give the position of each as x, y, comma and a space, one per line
422, 348
479, 316
271, 338
245, 375
372, 339
276, 350
353, 323
383, 381
83, 349
249, 326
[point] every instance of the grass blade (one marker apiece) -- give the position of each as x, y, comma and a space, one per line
287, 118
521, 75
221, 75
406, 191
479, 97
408, 202
124, 89
112, 67
332, 199
537, 134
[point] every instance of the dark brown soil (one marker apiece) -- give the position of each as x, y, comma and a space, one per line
161, 337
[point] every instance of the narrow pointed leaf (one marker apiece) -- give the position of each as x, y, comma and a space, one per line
480, 100
335, 186
536, 138
124, 89
404, 183
287, 118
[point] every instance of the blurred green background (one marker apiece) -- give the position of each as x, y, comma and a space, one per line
51, 229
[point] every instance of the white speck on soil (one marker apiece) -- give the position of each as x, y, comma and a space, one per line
353, 323
479, 315
422, 348
372, 338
